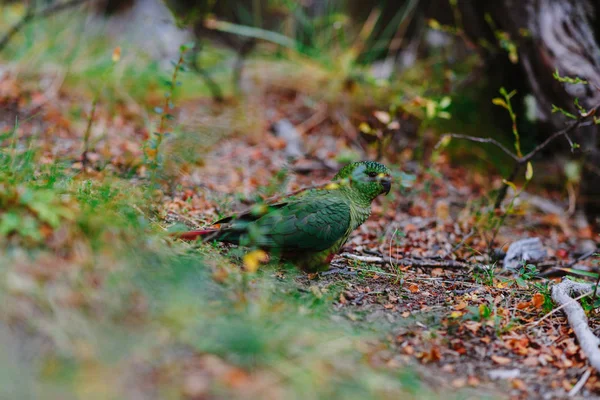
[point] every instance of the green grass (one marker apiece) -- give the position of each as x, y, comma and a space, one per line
126, 291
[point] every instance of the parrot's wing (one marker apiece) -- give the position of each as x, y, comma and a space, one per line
311, 223
250, 215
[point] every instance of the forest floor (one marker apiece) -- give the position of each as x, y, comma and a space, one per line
99, 301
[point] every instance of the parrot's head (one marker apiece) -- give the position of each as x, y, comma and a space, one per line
367, 178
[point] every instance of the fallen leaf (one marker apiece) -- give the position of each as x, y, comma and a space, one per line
501, 360
253, 259
531, 361
433, 355
413, 288
473, 326
518, 384
382, 116
458, 382
473, 381
537, 300
220, 275
448, 368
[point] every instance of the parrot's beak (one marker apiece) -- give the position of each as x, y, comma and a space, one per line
387, 185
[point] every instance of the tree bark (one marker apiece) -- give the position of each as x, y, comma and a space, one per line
551, 35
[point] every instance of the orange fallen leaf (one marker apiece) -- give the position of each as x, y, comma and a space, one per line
410, 228
473, 326
413, 288
432, 355
501, 360
537, 300
531, 361
460, 306
473, 381
518, 384
116, 55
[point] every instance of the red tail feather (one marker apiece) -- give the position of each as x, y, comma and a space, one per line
193, 235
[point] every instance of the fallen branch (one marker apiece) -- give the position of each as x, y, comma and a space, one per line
581, 383
480, 140
561, 294
32, 14
423, 263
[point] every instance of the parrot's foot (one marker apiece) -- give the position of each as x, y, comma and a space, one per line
341, 271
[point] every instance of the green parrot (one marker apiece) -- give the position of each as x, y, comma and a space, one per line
309, 228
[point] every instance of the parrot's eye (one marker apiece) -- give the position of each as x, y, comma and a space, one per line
372, 174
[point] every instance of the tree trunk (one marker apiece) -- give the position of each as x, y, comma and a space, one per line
551, 35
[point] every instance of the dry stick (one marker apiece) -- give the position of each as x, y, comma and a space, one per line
86, 135
520, 161
482, 140
408, 261
557, 309
577, 319
581, 383
31, 14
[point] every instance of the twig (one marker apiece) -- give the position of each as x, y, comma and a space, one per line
481, 140
582, 257
86, 135
317, 118
577, 319
570, 128
580, 383
425, 263
520, 161
463, 241
554, 311
32, 14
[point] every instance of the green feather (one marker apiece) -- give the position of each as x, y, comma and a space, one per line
309, 228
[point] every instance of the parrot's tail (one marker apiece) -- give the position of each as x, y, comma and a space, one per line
193, 235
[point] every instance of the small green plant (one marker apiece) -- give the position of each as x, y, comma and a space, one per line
153, 145
484, 275
544, 289
483, 312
